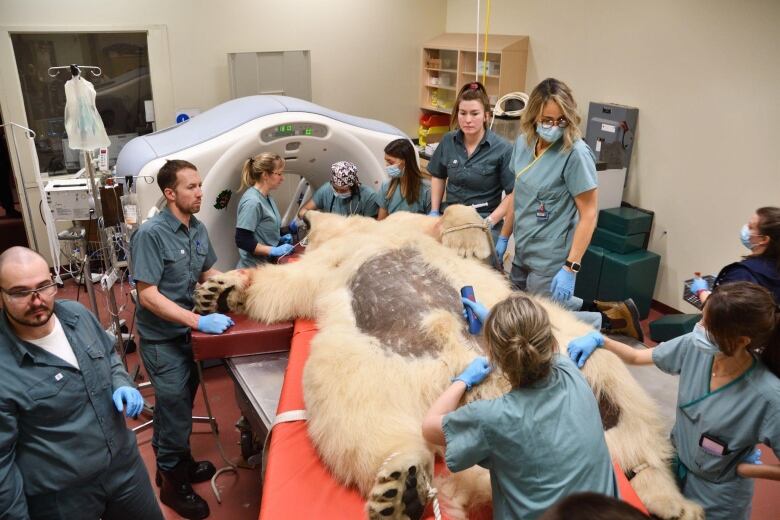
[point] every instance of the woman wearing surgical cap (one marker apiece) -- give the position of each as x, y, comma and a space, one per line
405, 191
258, 221
344, 195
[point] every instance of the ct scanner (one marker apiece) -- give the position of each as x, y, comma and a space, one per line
218, 141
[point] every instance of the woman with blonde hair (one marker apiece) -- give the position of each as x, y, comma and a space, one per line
554, 208
258, 222
541, 441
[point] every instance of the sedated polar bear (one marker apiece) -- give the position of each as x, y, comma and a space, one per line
386, 299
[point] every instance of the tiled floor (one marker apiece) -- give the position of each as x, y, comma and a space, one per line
240, 492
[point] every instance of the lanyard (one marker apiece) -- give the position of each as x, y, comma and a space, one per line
518, 174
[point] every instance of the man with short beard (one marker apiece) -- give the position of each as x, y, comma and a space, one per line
65, 451
171, 253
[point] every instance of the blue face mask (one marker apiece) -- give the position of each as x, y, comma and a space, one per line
551, 134
702, 340
393, 170
341, 195
744, 236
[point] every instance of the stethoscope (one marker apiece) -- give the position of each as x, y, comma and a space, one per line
351, 212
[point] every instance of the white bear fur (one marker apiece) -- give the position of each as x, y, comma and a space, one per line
365, 405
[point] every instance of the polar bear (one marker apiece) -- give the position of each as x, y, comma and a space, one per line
385, 295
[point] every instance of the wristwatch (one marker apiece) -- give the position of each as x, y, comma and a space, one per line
574, 266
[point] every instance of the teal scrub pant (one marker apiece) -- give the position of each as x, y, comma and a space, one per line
121, 492
174, 376
526, 280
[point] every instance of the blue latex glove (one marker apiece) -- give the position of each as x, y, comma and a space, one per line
475, 373
130, 396
699, 284
754, 457
214, 323
581, 348
285, 239
434, 213
562, 286
282, 250
294, 226
480, 310
501, 248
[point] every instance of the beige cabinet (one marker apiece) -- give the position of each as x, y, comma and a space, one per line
450, 60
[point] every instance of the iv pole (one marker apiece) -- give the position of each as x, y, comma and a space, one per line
104, 246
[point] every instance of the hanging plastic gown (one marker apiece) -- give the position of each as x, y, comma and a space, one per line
82, 122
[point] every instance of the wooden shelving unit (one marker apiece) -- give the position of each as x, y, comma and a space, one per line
449, 61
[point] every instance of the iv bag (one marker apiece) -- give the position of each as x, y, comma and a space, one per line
82, 122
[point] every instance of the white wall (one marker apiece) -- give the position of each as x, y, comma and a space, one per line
705, 75
365, 55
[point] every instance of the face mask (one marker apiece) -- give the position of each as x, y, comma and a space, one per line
744, 235
551, 134
393, 170
702, 340
341, 195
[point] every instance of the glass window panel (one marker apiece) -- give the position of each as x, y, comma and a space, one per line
121, 89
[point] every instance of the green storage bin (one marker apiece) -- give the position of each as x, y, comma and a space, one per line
616, 242
587, 285
629, 275
672, 326
625, 221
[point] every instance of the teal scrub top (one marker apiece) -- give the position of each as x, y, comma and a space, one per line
540, 443
171, 256
544, 210
257, 213
365, 202
739, 415
396, 202
477, 180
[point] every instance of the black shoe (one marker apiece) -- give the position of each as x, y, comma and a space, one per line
198, 471
177, 493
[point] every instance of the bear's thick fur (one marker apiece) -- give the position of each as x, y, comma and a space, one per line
385, 296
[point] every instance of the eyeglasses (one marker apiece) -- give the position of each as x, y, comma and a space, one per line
20, 296
549, 122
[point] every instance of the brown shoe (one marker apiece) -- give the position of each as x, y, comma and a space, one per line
623, 317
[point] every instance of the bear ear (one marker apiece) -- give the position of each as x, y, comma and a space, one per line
463, 230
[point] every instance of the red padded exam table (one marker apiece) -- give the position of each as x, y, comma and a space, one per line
297, 484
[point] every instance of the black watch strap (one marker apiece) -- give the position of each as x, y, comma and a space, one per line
574, 266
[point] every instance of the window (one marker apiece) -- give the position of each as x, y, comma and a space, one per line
121, 89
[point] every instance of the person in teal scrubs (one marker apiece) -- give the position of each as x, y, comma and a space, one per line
405, 191
472, 161
728, 398
541, 441
344, 195
554, 209
258, 222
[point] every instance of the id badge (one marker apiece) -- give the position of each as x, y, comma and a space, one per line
541, 213
713, 445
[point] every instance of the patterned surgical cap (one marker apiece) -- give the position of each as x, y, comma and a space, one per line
344, 173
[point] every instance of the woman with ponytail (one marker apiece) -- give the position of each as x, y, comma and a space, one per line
728, 398
259, 222
541, 441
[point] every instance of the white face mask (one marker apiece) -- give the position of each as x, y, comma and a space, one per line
702, 340
341, 195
